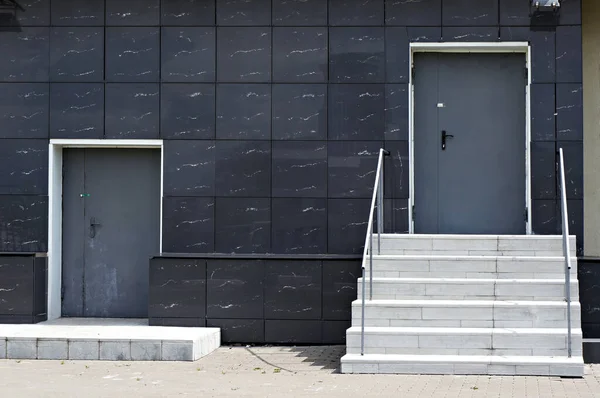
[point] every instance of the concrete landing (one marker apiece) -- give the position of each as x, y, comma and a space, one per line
106, 340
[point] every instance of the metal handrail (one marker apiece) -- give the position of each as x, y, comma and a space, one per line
376, 201
566, 246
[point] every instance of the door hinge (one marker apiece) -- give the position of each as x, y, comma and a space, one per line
412, 73
62, 293
526, 73
526, 214
413, 213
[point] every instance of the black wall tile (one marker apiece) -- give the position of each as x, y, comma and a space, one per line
351, 168
243, 168
23, 223
244, 12
300, 12
239, 330
132, 110
413, 13
299, 111
24, 110
244, 54
397, 54
189, 168
334, 332
188, 225
188, 12
569, 109
356, 12
243, 225
396, 112
569, 67
299, 225
132, 54
187, 111
588, 275
133, 12
515, 13
570, 12
37, 13
470, 33
77, 110
77, 13
469, 13
244, 111
293, 290
235, 289
339, 288
575, 210
545, 217
424, 34
16, 285
299, 169
300, 54
25, 55
543, 120
77, 54
293, 331
23, 167
543, 170
347, 225
188, 54
397, 170
177, 288
543, 57
573, 157
181, 322
398, 208
357, 55
356, 112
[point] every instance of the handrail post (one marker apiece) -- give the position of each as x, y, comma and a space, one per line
371, 265
566, 247
380, 204
362, 322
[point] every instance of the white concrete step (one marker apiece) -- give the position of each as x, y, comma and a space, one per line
514, 245
468, 288
463, 341
463, 364
481, 267
106, 340
466, 313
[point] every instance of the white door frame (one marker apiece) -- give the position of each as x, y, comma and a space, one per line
458, 47
55, 203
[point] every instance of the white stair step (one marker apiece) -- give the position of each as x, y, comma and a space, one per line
482, 267
463, 364
471, 244
463, 341
468, 288
466, 313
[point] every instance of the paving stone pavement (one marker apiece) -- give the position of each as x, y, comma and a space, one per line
265, 372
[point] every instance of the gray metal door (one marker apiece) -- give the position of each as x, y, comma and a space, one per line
476, 183
111, 221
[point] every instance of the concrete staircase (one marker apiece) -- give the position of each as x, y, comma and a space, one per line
467, 304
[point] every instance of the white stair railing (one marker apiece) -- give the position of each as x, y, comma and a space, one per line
376, 202
566, 246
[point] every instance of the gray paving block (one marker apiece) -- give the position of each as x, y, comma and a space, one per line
21, 349
115, 350
146, 350
177, 351
53, 349
84, 349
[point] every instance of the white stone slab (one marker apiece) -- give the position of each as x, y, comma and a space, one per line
107, 339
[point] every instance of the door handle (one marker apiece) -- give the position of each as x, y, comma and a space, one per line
444, 137
93, 224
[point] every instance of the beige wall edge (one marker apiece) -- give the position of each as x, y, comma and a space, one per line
591, 126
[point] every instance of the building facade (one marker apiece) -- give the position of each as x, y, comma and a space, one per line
235, 143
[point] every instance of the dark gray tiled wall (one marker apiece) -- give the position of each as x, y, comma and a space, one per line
259, 100
272, 113
268, 300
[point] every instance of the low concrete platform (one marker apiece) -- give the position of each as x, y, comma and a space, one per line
106, 340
